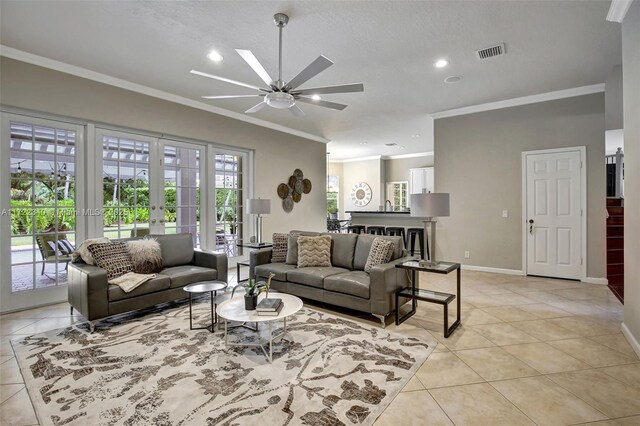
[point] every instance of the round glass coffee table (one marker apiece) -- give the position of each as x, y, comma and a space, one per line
211, 287
233, 310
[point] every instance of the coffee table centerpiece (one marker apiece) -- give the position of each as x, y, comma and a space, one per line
251, 290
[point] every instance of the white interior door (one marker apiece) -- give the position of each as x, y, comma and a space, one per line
554, 208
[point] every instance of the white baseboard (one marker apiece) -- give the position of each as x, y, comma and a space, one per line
592, 280
494, 270
631, 338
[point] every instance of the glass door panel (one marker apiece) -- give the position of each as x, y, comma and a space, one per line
42, 201
181, 189
125, 185
228, 202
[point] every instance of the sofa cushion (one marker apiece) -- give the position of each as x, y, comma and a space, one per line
177, 249
363, 247
314, 251
292, 245
188, 274
313, 276
280, 269
381, 252
355, 283
159, 283
343, 248
279, 249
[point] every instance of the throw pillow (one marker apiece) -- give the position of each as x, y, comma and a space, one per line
381, 251
66, 247
83, 253
55, 248
279, 250
292, 249
113, 257
146, 256
314, 251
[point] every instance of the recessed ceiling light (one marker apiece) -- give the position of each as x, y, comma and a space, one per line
363, 143
316, 97
391, 144
417, 135
453, 79
214, 56
441, 63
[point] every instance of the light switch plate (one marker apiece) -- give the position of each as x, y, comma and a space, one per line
466, 255
505, 213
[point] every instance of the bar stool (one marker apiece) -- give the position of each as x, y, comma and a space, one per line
356, 229
399, 231
412, 233
376, 230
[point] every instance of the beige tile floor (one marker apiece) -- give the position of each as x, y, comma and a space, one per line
529, 351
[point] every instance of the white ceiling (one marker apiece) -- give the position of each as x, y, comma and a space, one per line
389, 46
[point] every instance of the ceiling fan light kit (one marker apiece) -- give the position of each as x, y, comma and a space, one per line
281, 94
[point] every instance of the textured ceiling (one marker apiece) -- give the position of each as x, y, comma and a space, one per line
389, 46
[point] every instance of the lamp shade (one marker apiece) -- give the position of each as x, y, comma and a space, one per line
258, 206
432, 204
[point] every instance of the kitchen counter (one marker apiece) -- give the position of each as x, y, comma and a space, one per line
374, 217
352, 212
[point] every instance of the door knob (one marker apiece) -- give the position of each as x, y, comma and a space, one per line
153, 221
531, 226
161, 220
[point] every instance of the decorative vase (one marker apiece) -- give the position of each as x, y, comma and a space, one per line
250, 302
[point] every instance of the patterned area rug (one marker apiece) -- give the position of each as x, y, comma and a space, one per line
149, 368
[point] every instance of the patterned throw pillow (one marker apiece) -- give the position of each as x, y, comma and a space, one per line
381, 252
113, 257
279, 250
83, 253
146, 256
314, 251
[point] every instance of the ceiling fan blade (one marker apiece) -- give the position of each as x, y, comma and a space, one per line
341, 88
314, 68
253, 62
295, 110
227, 80
256, 108
326, 104
231, 96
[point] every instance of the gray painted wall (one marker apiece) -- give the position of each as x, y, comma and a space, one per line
614, 116
631, 64
277, 154
478, 159
397, 169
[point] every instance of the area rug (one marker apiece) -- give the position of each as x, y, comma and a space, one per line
149, 368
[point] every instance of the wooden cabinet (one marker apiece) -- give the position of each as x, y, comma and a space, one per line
421, 180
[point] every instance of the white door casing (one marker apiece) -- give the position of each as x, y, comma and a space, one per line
554, 210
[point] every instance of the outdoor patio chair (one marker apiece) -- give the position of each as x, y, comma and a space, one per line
49, 255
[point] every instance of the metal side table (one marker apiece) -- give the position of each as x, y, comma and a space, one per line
415, 293
211, 287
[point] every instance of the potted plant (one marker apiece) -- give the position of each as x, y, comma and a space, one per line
251, 290
333, 212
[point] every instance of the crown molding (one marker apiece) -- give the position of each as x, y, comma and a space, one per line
30, 58
415, 154
524, 100
618, 10
383, 157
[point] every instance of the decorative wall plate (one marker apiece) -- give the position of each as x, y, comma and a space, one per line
361, 194
296, 196
287, 204
298, 174
306, 186
292, 181
283, 190
291, 191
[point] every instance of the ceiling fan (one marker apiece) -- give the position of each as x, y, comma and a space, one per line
285, 95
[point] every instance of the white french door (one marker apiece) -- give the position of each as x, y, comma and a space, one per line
150, 185
42, 195
554, 207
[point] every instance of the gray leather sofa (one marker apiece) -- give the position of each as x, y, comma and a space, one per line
96, 299
344, 283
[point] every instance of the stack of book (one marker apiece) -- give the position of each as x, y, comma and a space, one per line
269, 307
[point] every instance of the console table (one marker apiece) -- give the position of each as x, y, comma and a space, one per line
415, 293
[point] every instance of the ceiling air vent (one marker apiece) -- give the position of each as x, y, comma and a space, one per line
490, 52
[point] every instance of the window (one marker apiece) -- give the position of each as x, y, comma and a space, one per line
333, 192
397, 194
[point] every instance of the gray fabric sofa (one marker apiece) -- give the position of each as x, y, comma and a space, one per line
344, 283
96, 299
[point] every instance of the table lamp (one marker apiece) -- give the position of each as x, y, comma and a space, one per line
430, 205
258, 206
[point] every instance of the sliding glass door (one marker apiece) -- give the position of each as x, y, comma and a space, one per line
42, 214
